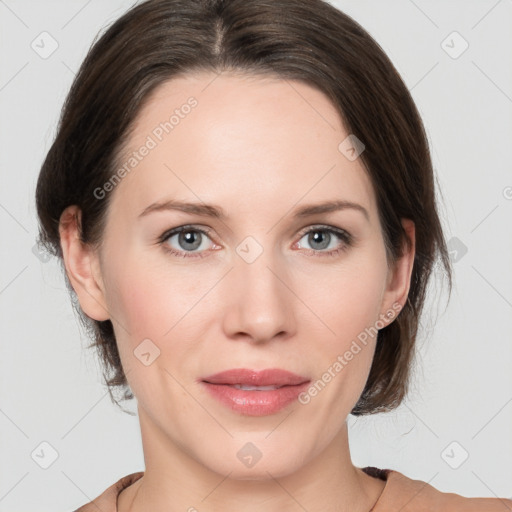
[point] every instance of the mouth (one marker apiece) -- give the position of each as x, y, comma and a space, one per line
254, 393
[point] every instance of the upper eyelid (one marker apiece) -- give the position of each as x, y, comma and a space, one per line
325, 227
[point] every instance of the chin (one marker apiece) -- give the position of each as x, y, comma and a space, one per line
247, 462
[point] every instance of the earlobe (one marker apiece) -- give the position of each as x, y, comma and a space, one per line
82, 266
399, 278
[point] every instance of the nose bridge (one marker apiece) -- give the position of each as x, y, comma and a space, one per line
260, 304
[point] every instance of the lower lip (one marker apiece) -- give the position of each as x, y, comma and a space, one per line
255, 403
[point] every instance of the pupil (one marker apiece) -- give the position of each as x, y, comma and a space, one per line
190, 237
317, 238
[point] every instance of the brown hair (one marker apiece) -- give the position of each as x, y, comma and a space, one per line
306, 40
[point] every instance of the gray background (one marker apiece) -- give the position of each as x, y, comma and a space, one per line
461, 400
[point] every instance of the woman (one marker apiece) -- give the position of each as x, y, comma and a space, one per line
278, 140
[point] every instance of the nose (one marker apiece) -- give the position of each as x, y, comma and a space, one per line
260, 305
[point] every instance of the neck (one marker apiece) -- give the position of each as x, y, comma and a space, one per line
176, 480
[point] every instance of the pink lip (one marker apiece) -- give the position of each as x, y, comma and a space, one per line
268, 377
254, 402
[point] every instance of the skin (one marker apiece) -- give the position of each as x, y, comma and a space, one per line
259, 148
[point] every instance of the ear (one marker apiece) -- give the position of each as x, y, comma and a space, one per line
399, 277
82, 266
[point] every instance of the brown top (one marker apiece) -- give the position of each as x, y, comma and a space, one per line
400, 494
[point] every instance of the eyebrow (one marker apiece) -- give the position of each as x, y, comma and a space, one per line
210, 210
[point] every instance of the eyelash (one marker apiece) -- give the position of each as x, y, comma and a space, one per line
346, 238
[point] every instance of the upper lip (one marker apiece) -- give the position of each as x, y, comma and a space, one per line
267, 377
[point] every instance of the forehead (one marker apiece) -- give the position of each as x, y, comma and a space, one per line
240, 140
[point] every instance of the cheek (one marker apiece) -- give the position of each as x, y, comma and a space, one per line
147, 310
352, 297
155, 302
146, 299
350, 307
137, 305
140, 314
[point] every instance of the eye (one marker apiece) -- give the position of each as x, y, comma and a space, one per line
188, 239
321, 237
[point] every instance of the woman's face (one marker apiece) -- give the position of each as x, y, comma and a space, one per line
259, 287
